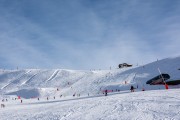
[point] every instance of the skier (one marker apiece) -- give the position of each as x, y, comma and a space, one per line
132, 88
2, 105
143, 89
105, 92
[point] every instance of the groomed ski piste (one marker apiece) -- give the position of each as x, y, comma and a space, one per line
61, 94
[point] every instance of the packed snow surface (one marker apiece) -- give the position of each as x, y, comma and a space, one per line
78, 94
149, 105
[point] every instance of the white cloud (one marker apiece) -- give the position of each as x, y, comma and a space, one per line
94, 36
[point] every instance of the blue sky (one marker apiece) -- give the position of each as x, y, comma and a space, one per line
87, 34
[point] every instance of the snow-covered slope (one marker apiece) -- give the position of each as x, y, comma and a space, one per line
147, 105
55, 89
46, 82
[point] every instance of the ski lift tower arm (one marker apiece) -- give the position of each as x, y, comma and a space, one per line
161, 76
166, 86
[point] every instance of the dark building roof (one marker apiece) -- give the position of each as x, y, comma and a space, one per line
158, 79
174, 82
124, 65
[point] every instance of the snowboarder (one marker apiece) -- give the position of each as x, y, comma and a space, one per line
132, 88
21, 101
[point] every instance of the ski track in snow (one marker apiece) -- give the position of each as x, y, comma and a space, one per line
17, 79
52, 76
28, 80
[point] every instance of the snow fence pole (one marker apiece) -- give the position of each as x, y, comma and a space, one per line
166, 86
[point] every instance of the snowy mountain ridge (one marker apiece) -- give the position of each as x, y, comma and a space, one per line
44, 82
